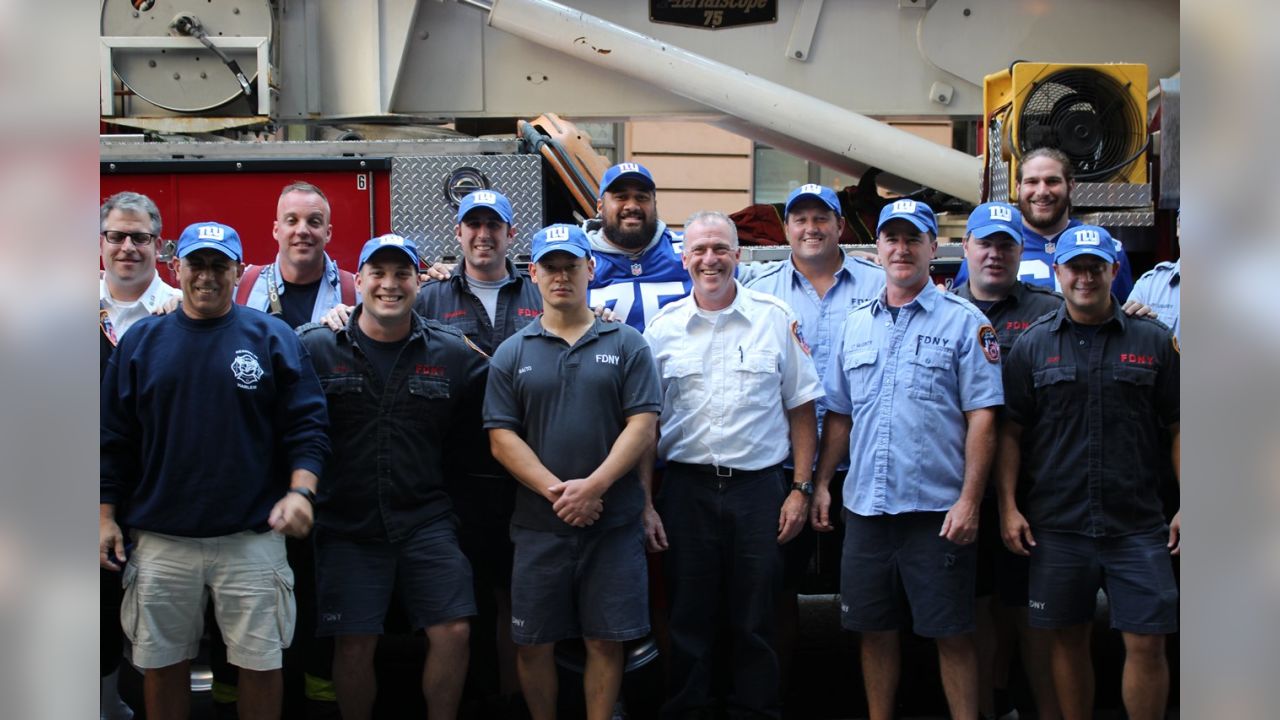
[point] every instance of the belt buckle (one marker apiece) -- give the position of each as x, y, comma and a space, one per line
723, 472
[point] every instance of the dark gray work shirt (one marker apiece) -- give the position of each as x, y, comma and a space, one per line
1012, 315
570, 404
1095, 408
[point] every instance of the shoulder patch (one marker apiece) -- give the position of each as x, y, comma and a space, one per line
799, 338
990, 344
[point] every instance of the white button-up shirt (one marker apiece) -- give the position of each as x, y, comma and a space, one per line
729, 379
124, 314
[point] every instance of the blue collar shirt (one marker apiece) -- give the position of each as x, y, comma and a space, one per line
907, 385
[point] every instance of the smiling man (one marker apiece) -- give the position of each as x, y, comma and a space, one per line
1046, 180
913, 387
304, 282
207, 503
738, 390
1093, 406
402, 393
570, 407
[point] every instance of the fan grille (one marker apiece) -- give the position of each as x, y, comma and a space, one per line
1089, 116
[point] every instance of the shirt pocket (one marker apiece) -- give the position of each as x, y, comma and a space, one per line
1135, 386
859, 370
931, 369
345, 396
759, 384
1055, 388
683, 382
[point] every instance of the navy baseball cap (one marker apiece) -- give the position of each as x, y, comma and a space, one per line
563, 238
913, 211
995, 217
627, 171
813, 190
388, 241
491, 199
1084, 240
213, 236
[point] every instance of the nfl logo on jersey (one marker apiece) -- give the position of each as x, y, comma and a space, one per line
637, 269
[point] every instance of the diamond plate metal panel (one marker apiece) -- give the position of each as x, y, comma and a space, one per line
421, 212
999, 189
1133, 218
1117, 195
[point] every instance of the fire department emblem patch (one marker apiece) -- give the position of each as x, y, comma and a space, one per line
990, 343
637, 269
246, 370
795, 333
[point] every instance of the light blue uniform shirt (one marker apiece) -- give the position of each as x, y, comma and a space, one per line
907, 385
821, 318
329, 294
1160, 289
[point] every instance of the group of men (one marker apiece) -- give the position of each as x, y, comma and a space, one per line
397, 429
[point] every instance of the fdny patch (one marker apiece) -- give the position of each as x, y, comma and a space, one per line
990, 343
246, 370
795, 333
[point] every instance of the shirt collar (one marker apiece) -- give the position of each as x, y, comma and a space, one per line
599, 327
926, 299
460, 278
738, 307
1061, 318
330, 273
150, 298
417, 328
1176, 277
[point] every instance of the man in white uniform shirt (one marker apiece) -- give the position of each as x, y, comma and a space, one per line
736, 380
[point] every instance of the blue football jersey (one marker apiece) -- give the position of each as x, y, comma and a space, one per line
1037, 264
636, 288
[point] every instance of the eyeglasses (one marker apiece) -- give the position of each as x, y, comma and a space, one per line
116, 237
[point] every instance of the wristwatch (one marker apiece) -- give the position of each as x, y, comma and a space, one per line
805, 488
305, 492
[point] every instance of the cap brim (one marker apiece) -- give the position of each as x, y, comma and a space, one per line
1078, 251
920, 224
500, 213
787, 210
574, 250
413, 259
629, 176
209, 246
985, 231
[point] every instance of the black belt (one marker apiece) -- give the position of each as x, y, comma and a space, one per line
722, 471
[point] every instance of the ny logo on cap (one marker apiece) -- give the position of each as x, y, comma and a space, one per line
210, 232
391, 240
904, 206
628, 167
1088, 237
811, 188
485, 196
1001, 213
557, 234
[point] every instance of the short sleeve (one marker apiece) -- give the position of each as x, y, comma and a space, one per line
501, 410
979, 367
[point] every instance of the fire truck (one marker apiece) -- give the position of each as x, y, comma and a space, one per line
398, 108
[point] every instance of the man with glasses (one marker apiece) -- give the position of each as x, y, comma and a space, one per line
129, 290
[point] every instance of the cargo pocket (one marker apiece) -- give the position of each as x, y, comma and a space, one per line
286, 605
1054, 385
859, 371
1136, 387
929, 371
129, 602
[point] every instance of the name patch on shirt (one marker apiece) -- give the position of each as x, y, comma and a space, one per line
937, 341
1132, 359
429, 370
608, 359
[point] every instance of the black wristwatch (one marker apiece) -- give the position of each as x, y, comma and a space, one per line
805, 488
305, 492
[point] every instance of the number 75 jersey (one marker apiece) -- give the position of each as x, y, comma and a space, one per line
636, 287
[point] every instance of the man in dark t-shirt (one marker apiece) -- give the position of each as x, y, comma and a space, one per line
571, 405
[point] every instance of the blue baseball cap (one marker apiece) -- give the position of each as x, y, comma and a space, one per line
212, 236
995, 217
913, 211
1084, 240
491, 199
627, 171
563, 238
388, 241
813, 190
